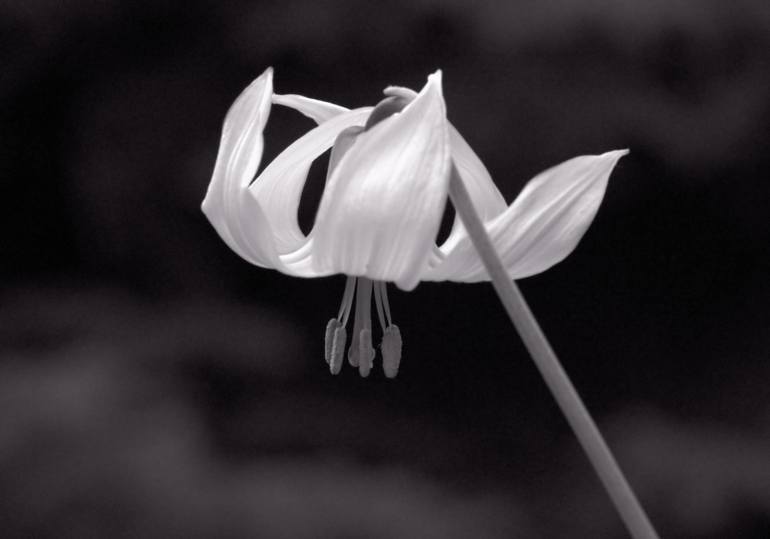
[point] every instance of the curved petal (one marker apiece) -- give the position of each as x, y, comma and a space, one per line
486, 197
542, 226
279, 187
318, 111
258, 220
383, 204
235, 215
399, 91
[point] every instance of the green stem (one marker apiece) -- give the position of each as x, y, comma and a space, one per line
550, 368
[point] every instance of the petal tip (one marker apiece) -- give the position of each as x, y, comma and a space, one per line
400, 91
407, 284
435, 79
265, 76
432, 92
616, 154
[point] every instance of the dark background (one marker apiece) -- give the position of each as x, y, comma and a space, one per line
152, 384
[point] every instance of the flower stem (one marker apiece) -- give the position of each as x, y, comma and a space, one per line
550, 368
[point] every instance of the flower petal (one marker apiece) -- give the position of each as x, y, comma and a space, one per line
542, 226
234, 213
258, 220
486, 197
318, 111
279, 187
383, 204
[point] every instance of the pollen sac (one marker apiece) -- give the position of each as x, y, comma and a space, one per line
391, 350
329, 338
337, 353
365, 353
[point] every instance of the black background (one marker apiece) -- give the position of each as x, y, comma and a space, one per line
152, 384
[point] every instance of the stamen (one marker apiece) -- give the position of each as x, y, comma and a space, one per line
331, 327
378, 303
347, 300
391, 344
338, 349
391, 350
334, 325
363, 318
385, 302
361, 352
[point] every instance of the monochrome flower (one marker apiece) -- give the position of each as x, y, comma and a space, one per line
385, 195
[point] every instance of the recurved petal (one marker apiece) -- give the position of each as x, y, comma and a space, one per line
542, 226
278, 188
383, 204
233, 212
318, 111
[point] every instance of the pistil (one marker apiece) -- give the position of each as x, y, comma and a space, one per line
361, 352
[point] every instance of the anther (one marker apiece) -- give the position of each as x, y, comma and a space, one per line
337, 349
390, 347
336, 335
329, 338
365, 352
361, 353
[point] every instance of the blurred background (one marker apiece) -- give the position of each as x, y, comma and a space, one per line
152, 384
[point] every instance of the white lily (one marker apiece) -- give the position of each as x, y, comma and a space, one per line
390, 172
384, 198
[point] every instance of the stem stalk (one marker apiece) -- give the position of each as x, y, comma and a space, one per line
578, 417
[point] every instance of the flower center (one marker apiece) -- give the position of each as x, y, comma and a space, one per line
361, 353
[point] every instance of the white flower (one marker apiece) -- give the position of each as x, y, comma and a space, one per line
382, 205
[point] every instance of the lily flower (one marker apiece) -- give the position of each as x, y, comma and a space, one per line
385, 194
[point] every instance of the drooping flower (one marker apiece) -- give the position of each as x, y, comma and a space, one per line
385, 194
